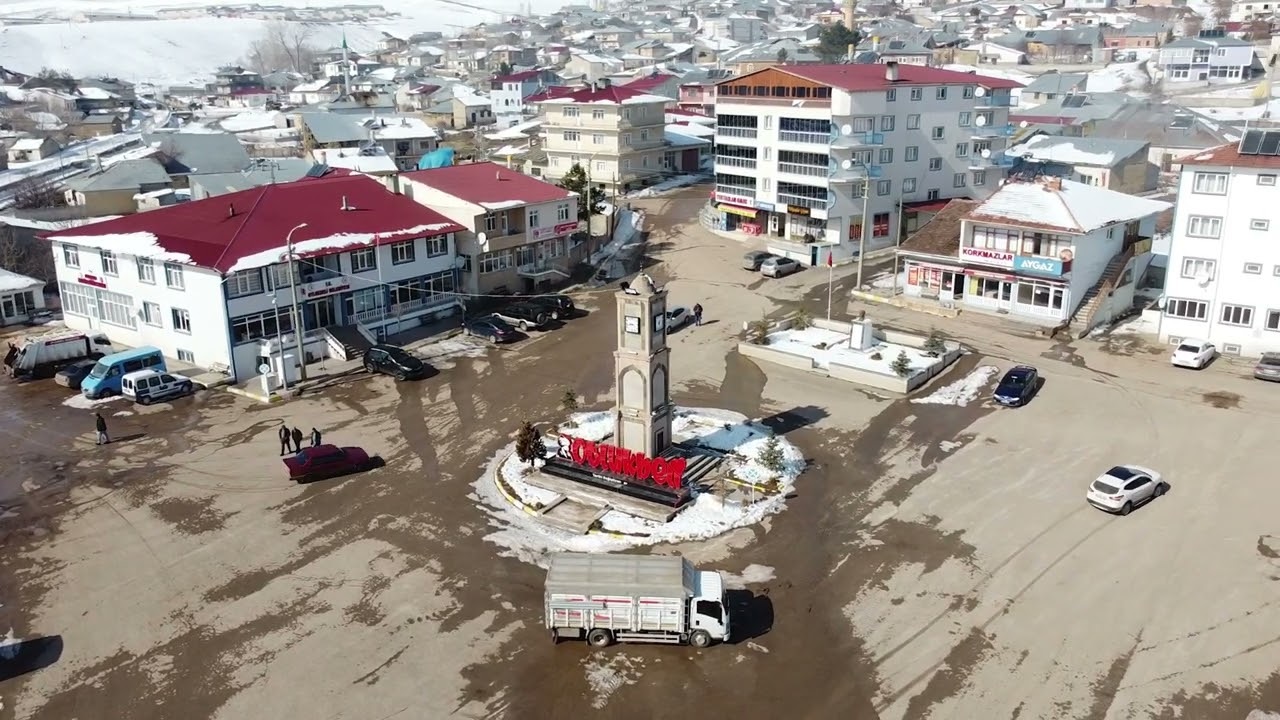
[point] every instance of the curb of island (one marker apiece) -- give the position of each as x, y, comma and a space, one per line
510, 497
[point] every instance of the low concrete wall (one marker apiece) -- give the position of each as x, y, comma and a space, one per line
891, 383
764, 352
905, 303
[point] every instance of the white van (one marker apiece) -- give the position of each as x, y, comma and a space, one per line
148, 386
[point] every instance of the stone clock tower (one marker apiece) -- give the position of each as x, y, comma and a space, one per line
642, 370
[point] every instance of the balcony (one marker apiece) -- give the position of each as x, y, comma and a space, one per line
996, 161
849, 171
404, 309
540, 270
744, 193
734, 133
851, 140
993, 101
805, 170
736, 162
991, 131
808, 138
803, 201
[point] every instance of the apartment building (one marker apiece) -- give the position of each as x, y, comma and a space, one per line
1224, 265
806, 153
1211, 57
615, 133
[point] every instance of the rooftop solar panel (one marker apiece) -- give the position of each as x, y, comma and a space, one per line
1251, 142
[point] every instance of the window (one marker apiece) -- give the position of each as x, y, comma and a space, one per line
886, 123
599, 166
71, 256
891, 95
942, 93
932, 194
979, 178
962, 149
1253, 268
917, 93
109, 266
959, 180
863, 124
437, 246
76, 298
244, 282
181, 320
908, 185
1230, 349
151, 314
186, 356
490, 223
1040, 295
1198, 267
533, 218
965, 119
1266, 179
913, 153
626, 164
596, 113
935, 164
562, 212
402, 252
570, 112
173, 276
1273, 320
572, 136
967, 93
117, 309
886, 156
255, 327
1186, 309
597, 139
1204, 226
146, 270
1257, 224
495, 261
913, 121
938, 133
626, 139
1237, 315
1209, 183
363, 260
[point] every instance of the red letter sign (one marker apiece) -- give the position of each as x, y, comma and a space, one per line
631, 466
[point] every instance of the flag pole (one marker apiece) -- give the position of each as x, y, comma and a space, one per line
831, 270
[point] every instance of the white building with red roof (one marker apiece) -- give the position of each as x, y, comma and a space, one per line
208, 282
796, 145
615, 133
520, 234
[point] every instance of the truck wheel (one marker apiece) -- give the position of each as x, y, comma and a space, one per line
700, 639
603, 638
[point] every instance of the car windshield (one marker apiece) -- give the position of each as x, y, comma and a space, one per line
1015, 380
399, 355
99, 371
1273, 360
1189, 348
1105, 488
499, 323
1121, 473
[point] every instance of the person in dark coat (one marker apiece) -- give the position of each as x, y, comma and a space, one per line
297, 440
101, 424
315, 437
697, 314
284, 440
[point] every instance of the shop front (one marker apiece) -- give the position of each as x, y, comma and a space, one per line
1029, 286
933, 281
737, 213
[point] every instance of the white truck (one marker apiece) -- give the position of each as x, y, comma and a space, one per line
634, 598
44, 354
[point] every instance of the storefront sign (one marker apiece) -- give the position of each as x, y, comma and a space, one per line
630, 465
984, 256
92, 281
733, 199
797, 210
768, 207
326, 287
1038, 265
550, 231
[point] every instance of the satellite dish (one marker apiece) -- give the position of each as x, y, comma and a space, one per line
986, 152
483, 239
980, 91
980, 120
846, 129
1203, 278
847, 164
459, 261
1023, 124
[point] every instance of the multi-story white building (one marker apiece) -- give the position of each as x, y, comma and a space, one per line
1224, 263
1207, 59
507, 93
796, 145
208, 282
616, 134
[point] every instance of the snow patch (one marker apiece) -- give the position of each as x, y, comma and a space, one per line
606, 674
751, 575
826, 347
80, 402
668, 185
961, 392
10, 646
884, 281
1120, 77
122, 413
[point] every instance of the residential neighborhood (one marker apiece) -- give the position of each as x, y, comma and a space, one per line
425, 360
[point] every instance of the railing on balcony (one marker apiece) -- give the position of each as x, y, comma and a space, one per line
848, 171
740, 132
801, 201
741, 162
758, 100
855, 140
401, 309
797, 136
798, 169
742, 192
989, 100
992, 131
539, 269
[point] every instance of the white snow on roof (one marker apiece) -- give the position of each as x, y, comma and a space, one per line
399, 127
250, 120
52, 225
28, 144
313, 86
634, 100
13, 282
1076, 208
141, 244
1060, 150
676, 135
352, 159
318, 246
517, 131
509, 151
698, 131
502, 204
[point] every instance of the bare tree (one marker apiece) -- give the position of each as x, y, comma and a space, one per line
25, 255
1191, 26
1221, 11
35, 191
1260, 30
282, 46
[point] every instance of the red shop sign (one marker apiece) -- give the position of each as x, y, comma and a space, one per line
92, 281
633, 466
567, 227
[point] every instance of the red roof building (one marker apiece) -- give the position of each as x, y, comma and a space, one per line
490, 185
648, 83
868, 77
608, 95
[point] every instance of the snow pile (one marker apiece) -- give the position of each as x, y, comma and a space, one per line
963, 391
250, 120
80, 402
884, 281
1119, 77
751, 575
1140, 324
708, 515
606, 674
669, 185
828, 347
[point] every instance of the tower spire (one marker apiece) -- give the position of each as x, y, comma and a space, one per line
346, 67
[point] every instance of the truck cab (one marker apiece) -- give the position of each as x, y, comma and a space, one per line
708, 611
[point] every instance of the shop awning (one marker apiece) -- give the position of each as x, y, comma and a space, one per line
990, 275
737, 210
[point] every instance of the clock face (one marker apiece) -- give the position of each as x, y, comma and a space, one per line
659, 322
633, 324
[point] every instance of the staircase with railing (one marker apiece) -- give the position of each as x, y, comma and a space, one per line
1086, 313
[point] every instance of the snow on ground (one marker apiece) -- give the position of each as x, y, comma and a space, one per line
668, 185
987, 71
963, 391
828, 346
606, 674
751, 575
1227, 114
884, 281
1120, 77
708, 515
80, 402
440, 354
122, 413
1140, 324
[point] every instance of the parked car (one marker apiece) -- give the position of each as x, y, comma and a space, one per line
72, 375
678, 317
491, 327
394, 361
753, 259
1017, 386
326, 461
1124, 487
777, 267
523, 315
558, 307
1268, 367
1194, 354
147, 386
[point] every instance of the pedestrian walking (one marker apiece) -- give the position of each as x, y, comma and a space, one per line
697, 314
284, 440
101, 424
315, 437
297, 440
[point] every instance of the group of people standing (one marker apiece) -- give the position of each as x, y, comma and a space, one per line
294, 436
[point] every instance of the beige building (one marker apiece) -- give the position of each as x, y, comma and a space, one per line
614, 133
1114, 164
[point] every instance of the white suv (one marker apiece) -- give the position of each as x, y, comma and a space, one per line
148, 386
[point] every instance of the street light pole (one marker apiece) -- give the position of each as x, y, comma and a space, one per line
293, 294
862, 237
897, 243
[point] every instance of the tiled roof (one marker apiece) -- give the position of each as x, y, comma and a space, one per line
517, 77
941, 235
1063, 205
648, 82
1229, 156
862, 78
612, 95
550, 93
248, 229
489, 184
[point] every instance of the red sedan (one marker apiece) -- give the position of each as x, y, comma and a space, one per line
326, 461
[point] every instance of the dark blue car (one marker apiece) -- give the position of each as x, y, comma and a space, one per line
1017, 386
491, 327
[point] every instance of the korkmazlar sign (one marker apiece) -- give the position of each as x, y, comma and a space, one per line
629, 465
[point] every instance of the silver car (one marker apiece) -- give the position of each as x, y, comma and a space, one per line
776, 267
753, 259
1268, 367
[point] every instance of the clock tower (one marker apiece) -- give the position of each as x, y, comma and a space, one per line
642, 364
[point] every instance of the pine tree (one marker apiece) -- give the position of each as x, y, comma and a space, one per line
569, 401
901, 364
590, 199
771, 454
529, 445
935, 343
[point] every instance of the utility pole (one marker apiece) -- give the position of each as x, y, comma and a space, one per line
293, 294
862, 237
897, 243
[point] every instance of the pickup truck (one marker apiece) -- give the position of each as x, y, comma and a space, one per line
523, 315
634, 598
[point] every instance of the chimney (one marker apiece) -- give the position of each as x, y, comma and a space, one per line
891, 71
345, 206
231, 210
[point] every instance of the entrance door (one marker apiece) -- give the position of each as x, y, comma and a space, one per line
322, 313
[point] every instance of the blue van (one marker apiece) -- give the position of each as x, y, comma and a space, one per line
105, 377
